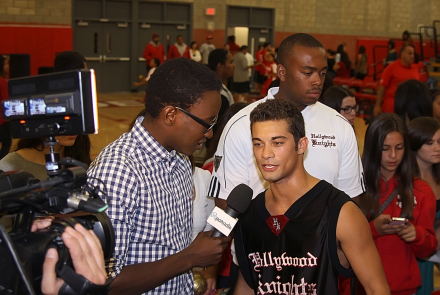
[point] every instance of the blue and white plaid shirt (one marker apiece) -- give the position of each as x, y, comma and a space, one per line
150, 203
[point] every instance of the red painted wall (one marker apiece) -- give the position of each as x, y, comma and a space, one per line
41, 42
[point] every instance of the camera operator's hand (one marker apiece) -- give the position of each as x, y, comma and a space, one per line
87, 257
40, 223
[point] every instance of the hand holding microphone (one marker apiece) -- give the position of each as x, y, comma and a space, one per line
237, 203
207, 250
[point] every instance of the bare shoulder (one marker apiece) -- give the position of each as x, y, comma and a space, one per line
351, 222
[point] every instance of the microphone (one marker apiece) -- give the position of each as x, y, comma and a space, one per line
237, 203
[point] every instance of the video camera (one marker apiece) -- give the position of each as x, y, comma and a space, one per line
48, 106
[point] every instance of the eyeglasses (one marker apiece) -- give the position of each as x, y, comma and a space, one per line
348, 110
208, 126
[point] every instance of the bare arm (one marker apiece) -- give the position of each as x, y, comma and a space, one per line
242, 288
353, 232
203, 251
378, 106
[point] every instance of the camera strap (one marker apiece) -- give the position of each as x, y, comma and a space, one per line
76, 284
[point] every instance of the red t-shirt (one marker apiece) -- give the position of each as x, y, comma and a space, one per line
393, 75
233, 47
343, 71
423, 74
260, 57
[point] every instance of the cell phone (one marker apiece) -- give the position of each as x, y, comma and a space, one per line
397, 221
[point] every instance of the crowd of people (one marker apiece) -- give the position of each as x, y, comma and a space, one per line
323, 219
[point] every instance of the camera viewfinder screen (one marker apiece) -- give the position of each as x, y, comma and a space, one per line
14, 107
37, 106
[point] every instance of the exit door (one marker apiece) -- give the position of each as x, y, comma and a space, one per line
106, 47
258, 36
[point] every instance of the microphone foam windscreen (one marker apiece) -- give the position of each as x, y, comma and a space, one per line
240, 198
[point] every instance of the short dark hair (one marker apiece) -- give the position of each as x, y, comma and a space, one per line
362, 49
217, 56
178, 82
266, 44
404, 47
290, 42
156, 61
412, 99
68, 60
391, 43
277, 110
420, 131
178, 36
331, 51
243, 47
334, 96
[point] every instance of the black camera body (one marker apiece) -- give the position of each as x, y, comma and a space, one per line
48, 106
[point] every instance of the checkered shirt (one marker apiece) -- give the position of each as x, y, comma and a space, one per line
150, 203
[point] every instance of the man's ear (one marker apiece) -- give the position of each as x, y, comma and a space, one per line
302, 145
168, 115
281, 72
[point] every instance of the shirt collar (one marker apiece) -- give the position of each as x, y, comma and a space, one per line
150, 144
274, 90
403, 65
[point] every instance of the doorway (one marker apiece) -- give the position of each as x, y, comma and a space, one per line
112, 35
252, 25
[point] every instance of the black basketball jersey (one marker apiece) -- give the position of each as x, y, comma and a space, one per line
294, 253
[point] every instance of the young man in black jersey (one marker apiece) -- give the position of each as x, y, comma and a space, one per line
300, 234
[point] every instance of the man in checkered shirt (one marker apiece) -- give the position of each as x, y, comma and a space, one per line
148, 178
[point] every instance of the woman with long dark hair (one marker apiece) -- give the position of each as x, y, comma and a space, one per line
424, 136
361, 63
392, 192
412, 100
343, 67
342, 100
29, 154
392, 53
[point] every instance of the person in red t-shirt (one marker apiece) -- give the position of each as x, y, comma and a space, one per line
5, 130
260, 70
233, 47
343, 67
178, 49
154, 49
393, 75
421, 66
271, 73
